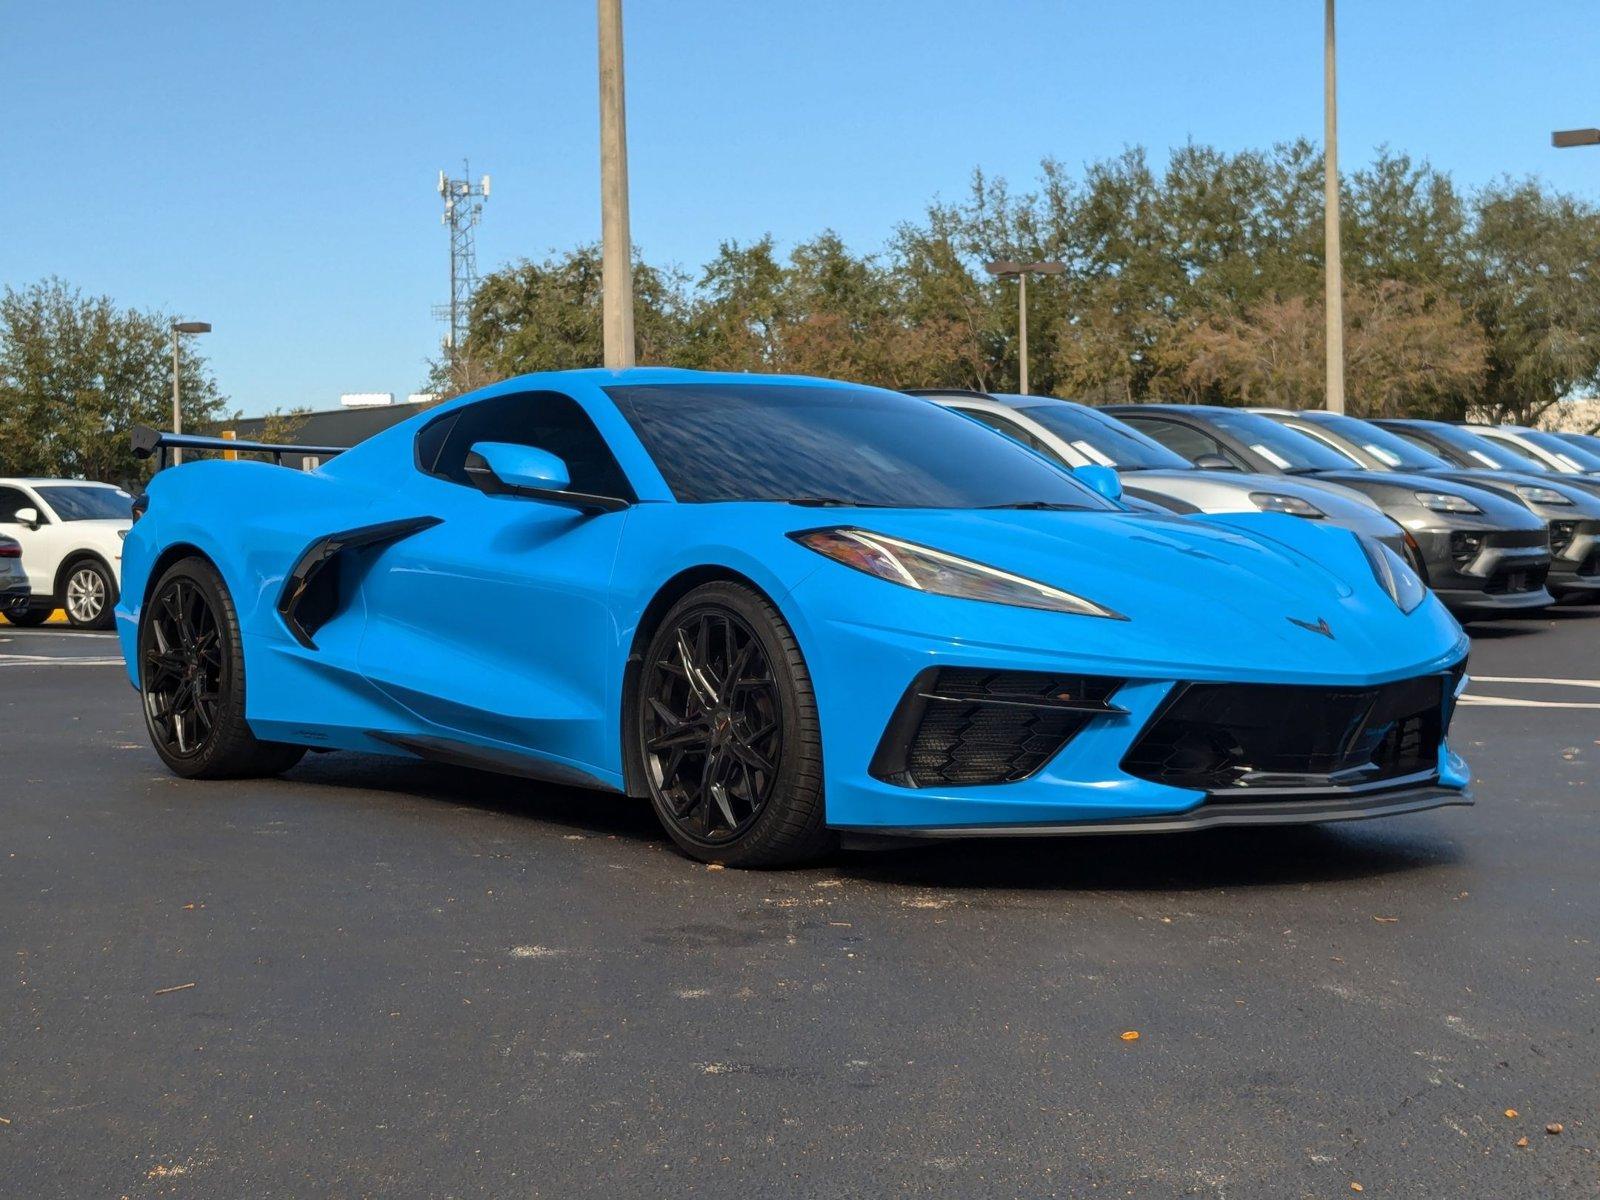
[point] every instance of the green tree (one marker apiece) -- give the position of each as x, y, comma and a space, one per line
545, 316
1533, 282
77, 373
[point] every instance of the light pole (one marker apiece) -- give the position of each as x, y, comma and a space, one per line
1022, 270
1332, 264
179, 328
616, 266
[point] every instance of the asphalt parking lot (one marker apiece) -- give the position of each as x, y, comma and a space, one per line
375, 978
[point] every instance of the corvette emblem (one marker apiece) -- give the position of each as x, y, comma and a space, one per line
1321, 626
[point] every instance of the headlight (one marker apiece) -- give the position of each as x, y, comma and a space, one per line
1541, 495
1393, 576
928, 570
1293, 505
1446, 502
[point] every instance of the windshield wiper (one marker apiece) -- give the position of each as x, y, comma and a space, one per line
1043, 505
836, 502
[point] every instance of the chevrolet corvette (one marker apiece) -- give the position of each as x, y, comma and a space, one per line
780, 609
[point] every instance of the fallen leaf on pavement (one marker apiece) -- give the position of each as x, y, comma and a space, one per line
1554, 1127
1386, 920
1131, 1035
1511, 1113
1356, 1187
1522, 1143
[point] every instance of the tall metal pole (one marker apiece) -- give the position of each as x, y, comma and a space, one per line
1022, 331
616, 240
177, 408
1333, 267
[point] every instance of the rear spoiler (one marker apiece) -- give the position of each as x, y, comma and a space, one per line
148, 442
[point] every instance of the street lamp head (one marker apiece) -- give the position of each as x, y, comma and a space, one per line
191, 327
1564, 138
1009, 267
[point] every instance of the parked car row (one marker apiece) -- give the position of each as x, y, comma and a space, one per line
68, 535
1499, 519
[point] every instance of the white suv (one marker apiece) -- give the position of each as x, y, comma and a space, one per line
71, 533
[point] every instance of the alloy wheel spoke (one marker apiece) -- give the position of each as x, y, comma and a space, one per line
748, 755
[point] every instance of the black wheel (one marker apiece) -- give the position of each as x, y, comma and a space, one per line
32, 615
191, 675
728, 732
89, 595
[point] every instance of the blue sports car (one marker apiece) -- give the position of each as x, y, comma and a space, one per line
780, 608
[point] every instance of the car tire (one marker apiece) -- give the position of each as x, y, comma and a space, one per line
31, 616
89, 595
727, 733
192, 681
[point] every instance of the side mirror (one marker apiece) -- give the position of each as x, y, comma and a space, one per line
1214, 462
1100, 479
517, 467
28, 516
506, 469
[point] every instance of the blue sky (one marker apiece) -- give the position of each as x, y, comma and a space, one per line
270, 167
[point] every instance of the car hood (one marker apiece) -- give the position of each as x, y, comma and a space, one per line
1585, 503
1222, 587
1232, 488
1504, 512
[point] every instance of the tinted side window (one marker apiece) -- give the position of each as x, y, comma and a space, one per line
10, 500
1181, 439
546, 420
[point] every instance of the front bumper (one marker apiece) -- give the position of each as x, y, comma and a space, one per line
1576, 570
864, 657
1505, 573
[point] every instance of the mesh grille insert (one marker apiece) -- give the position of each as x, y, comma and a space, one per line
965, 726
1234, 737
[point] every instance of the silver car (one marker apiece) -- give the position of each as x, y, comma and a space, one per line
1076, 435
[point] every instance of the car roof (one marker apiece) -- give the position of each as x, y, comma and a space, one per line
1003, 399
37, 480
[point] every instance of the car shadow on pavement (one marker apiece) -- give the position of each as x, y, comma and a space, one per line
585, 809
1166, 862
1149, 862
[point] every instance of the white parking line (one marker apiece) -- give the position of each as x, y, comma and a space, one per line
1584, 683
51, 660
1508, 702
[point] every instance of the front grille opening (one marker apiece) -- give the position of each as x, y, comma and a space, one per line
1513, 581
1269, 737
961, 726
1590, 566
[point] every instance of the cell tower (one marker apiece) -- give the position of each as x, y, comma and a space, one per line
463, 206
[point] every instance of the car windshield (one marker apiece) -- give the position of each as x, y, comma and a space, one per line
835, 444
71, 502
1485, 453
1389, 449
1283, 448
1106, 440
1553, 443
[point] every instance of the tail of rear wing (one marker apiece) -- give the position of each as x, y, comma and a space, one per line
148, 443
